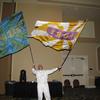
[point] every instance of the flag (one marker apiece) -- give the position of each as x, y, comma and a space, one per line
13, 34
57, 35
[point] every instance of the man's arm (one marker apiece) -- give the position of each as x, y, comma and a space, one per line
52, 70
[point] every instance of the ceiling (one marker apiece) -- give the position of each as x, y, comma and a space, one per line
73, 9
77, 9
88, 3
88, 9
95, 3
91, 3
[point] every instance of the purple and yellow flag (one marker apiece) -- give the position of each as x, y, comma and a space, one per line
13, 34
58, 35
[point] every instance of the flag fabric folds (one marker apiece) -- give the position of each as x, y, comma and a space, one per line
13, 34
58, 35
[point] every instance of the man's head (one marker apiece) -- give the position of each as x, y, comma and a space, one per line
40, 67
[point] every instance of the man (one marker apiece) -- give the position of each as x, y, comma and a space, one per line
42, 81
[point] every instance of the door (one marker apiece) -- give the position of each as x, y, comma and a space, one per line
76, 67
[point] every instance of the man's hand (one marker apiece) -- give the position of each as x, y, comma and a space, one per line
59, 68
33, 66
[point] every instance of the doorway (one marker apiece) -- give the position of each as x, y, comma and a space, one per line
76, 67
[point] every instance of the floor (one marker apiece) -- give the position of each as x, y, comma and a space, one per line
2, 97
69, 94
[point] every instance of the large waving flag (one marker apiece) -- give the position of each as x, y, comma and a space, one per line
13, 34
58, 35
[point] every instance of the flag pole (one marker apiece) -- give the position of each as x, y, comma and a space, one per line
31, 54
66, 57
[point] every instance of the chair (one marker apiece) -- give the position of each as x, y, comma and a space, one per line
67, 88
76, 83
67, 84
22, 76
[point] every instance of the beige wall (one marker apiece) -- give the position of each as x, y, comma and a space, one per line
45, 55
90, 50
42, 55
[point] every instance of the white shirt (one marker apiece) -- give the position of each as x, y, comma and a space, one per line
42, 75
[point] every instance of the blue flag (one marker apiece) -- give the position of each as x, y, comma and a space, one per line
13, 34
